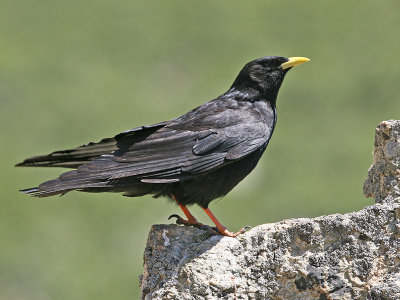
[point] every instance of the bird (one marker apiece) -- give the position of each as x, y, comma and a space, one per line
192, 159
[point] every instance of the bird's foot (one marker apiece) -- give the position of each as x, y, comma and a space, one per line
214, 230
226, 232
182, 221
193, 222
222, 229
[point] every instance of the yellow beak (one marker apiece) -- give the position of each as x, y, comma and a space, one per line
294, 61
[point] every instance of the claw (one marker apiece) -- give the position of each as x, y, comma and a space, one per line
179, 220
182, 221
226, 232
174, 216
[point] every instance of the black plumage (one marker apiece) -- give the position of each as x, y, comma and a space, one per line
195, 158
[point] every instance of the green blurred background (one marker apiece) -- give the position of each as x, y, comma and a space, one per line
76, 71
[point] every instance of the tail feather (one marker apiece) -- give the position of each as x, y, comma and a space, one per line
58, 187
79, 179
36, 192
95, 166
31, 191
44, 192
71, 158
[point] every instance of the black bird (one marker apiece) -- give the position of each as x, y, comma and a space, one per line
192, 159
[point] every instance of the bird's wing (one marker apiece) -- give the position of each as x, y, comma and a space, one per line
177, 152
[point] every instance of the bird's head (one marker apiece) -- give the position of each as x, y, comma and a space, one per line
263, 77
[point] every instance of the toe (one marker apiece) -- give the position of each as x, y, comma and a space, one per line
179, 220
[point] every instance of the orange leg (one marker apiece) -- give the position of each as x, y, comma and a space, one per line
191, 220
222, 229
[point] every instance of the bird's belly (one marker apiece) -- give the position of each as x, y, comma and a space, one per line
216, 184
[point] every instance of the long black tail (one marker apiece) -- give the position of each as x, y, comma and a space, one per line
71, 158
89, 177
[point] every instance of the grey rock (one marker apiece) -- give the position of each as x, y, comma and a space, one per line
383, 178
350, 256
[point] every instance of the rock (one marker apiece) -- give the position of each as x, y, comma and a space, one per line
383, 178
351, 256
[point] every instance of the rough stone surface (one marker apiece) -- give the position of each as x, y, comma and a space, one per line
351, 256
383, 178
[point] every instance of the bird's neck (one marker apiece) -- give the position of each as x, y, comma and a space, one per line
249, 94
